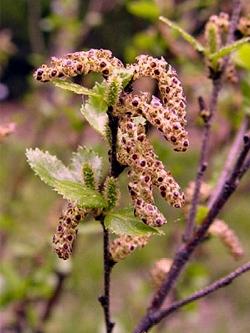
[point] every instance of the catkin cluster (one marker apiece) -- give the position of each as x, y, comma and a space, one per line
66, 231
134, 150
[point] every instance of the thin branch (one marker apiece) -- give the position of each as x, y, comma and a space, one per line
231, 157
115, 169
201, 170
186, 250
108, 265
156, 317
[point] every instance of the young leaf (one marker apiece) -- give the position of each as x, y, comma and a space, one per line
76, 88
226, 50
123, 222
54, 173
79, 194
94, 110
189, 38
47, 166
81, 157
96, 119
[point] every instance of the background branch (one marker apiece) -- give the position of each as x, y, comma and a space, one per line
156, 317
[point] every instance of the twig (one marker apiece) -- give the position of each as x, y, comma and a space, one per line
201, 170
231, 157
186, 250
115, 170
108, 265
156, 317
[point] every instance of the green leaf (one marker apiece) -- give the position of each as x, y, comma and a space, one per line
54, 173
144, 8
80, 194
123, 222
47, 166
76, 88
226, 50
190, 39
242, 56
94, 110
81, 157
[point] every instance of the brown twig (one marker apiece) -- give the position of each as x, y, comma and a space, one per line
156, 317
201, 170
115, 169
108, 265
231, 157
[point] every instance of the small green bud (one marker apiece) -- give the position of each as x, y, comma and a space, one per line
114, 90
88, 176
111, 192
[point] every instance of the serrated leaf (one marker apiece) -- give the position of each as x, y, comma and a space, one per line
123, 222
48, 167
144, 8
76, 88
80, 194
94, 110
97, 100
226, 50
189, 38
54, 173
96, 119
81, 157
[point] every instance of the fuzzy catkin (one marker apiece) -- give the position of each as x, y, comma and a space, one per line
160, 270
66, 231
244, 26
124, 245
136, 151
142, 197
228, 237
169, 85
164, 119
77, 63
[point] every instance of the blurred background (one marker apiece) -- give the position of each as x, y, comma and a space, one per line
39, 293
